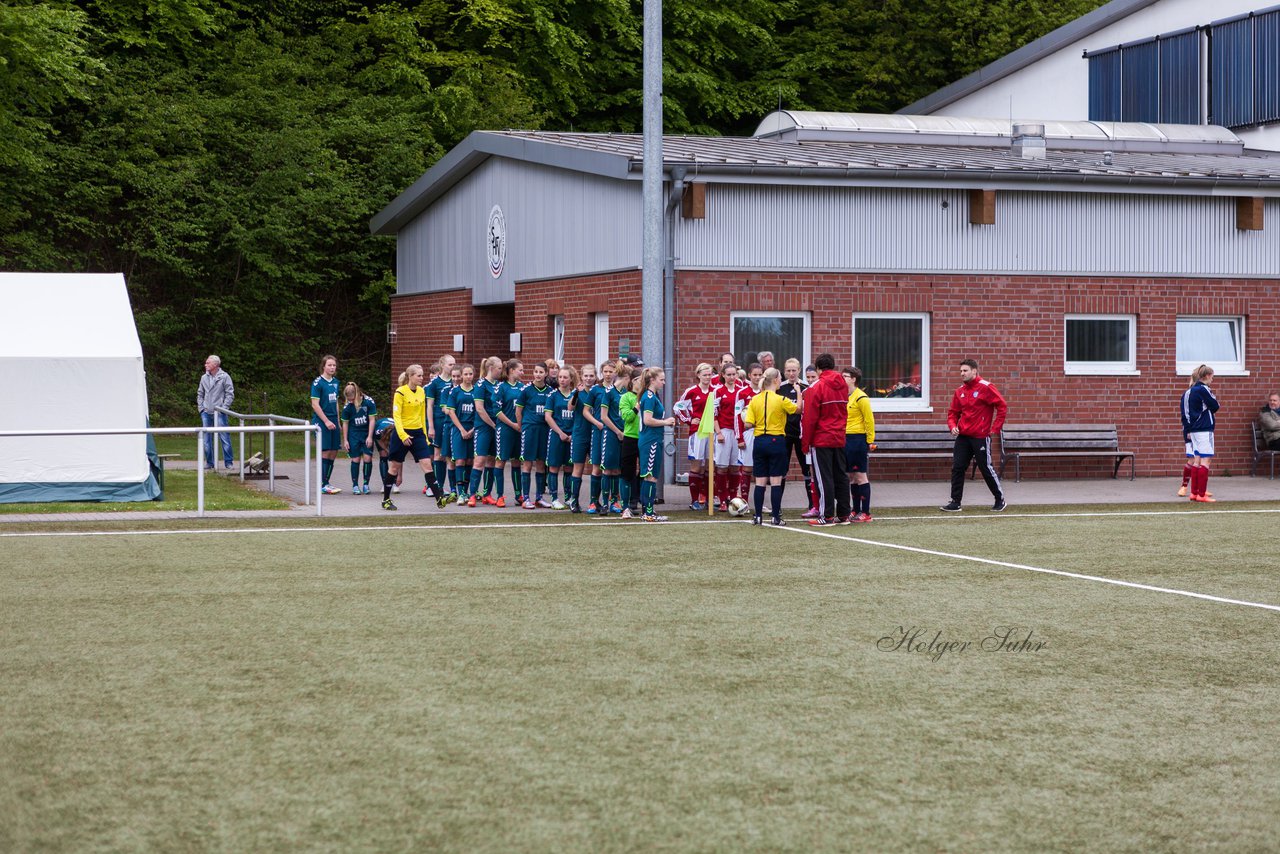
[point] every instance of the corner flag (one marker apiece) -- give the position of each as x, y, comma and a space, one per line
707, 426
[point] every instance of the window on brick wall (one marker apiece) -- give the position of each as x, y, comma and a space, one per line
557, 338
1214, 341
1100, 344
785, 334
602, 338
892, 349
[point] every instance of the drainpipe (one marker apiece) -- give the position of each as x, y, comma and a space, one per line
669, 313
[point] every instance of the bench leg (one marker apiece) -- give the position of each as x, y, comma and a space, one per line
1116, 471
1133, 464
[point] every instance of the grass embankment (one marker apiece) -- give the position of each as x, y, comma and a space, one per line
221, 492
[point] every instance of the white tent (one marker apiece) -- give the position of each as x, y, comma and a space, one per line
70, 358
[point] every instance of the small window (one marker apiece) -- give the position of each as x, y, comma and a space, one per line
602, 338
557, 338
1101, 344
893, 352
784, 334
1214, 341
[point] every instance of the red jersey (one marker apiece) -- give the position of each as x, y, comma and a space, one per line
745, 394
692, 404
726, 409
977, 409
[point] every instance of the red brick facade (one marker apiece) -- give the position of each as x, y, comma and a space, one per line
426, 323
1013, 326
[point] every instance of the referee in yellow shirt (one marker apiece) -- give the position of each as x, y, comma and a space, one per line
768, 412
859, 438
409, 412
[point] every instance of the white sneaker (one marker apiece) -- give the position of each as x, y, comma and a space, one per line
395, 490
626, 514
558, 505
544, 503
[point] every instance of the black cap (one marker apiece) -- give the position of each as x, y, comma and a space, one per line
635, 361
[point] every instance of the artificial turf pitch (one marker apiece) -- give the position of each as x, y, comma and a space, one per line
607, 686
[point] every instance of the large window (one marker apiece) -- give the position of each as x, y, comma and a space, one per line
893, 352
1214, 341
1100, 344
782, 333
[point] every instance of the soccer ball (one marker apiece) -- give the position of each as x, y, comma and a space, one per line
737, 507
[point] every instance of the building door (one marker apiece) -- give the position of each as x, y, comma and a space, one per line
602, 338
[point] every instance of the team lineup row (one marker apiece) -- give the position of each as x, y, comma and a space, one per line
469, 427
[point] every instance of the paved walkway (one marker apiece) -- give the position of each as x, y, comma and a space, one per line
885, 495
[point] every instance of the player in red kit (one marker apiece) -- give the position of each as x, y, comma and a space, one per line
726, 449
688, 411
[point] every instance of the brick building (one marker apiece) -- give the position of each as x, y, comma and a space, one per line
1087, 266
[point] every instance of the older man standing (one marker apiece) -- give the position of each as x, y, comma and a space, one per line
215, 390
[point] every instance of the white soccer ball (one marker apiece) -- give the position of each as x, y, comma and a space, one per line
737, 507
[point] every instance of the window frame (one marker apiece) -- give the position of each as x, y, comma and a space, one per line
779, 359
1236, 368
1115, 369
557, 338
599, 319
900, 404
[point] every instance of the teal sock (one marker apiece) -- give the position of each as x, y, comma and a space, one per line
596, 482
355, 474
326, 469
553, 484
477, 480
368, 471
540, 481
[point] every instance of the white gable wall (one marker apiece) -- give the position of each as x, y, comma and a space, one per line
1057, 86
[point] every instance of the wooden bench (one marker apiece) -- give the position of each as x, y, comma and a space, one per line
1261, 450
1061, 440
912, 441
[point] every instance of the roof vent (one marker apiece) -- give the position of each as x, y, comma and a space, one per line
1028, 141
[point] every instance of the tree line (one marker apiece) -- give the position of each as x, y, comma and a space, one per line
226, 155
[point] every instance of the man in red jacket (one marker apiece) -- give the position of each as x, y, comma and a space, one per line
977, 412
822, 424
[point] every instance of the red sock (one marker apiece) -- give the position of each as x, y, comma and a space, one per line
1201, 481
693, 485
1187, 471
722, 487
744, 485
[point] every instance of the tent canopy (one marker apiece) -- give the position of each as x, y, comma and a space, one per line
70, 358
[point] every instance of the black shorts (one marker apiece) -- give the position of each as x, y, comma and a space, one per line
417, 445
855, 452
769, 456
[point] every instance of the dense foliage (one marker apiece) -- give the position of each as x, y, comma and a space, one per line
227, 156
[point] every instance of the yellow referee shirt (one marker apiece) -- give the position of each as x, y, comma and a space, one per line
860, 418
409, 411
768, 412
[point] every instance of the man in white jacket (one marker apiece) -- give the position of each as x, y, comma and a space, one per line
215, 390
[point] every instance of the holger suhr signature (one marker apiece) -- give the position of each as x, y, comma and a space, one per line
934, 644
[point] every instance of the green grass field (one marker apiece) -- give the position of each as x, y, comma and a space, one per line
605, 686
180, 487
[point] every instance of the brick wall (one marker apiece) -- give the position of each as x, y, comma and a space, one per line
1013, 326
579, 300
426, 324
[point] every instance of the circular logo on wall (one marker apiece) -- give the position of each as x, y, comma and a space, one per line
497, 240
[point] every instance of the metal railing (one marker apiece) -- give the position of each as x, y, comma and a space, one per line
200, 431
271, 420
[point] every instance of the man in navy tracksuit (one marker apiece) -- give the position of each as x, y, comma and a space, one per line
977, 412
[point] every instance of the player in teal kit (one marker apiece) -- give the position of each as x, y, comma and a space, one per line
611, 447
486, 438
324, 408
561, 405
437, 421
653, 422
358, 416
531, 408
582, 452
461, 409
508, 394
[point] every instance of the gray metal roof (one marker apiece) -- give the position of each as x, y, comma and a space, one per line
773, 161
1065, 35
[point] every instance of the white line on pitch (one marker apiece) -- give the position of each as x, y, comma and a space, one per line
1063, 573
480, 521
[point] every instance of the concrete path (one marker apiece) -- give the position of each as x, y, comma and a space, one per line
885, 495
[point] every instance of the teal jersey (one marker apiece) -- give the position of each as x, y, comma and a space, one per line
359, 418
508, 394
534, 401
325, 391
612, 403
583, 400
486, 395
432, 391
562, 408
652, 404
596, 397
462, 402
